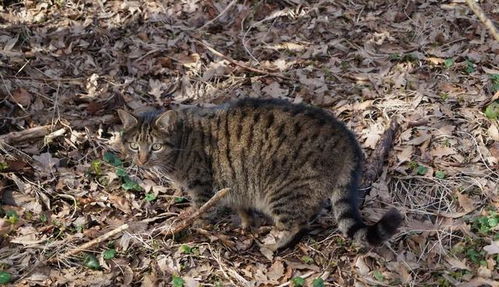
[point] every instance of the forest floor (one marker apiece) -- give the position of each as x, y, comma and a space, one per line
66, 66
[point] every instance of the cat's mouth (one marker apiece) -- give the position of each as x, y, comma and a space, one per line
145, 164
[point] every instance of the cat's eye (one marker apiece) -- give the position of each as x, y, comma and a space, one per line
156, 147
134, 146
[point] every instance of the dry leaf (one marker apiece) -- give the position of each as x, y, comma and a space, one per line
362, 266
22, 97
494, 150
441, 151
465, 202
275, 272
191, 282
420, 139
274, 90
457, 263
493, 248
405, 154
373, 134
493, 132
45, 162
149, 280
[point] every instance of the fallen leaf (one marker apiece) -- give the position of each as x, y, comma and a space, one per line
441, 151
405, 154
120, 202
149, 280
493, 132
484, 272
465, 202
45, 162
373, 134
479, 282
362, 266
275, 272
494, 150
420, 139
190, 282
493, 248
457, 263
22, 97
274, 90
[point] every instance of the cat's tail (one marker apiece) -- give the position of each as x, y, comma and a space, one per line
351, 224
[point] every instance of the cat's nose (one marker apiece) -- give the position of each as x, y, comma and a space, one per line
142, 159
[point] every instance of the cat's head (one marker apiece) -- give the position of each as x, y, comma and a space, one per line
148, 138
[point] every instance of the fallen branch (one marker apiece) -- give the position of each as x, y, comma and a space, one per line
237, 63
485, 20
89, 244
189, 220
50, 137
46, 79
25, 135
374, 167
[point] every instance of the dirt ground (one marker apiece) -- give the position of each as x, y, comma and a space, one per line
66, 66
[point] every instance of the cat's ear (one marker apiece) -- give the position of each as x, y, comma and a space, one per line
166, 120
128, 120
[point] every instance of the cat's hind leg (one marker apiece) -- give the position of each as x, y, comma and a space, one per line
246, 218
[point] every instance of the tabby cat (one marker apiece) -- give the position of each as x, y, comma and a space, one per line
282, 159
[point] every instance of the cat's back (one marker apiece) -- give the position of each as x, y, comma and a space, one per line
266, 136
288, 120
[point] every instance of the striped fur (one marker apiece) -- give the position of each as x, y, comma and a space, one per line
282, 159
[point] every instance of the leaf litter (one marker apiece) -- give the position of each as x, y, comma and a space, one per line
71, 64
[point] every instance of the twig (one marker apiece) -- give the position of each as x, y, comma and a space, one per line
374, 167
485, 20
25, 135
189, 220
219, 15
50, 137
80, 79
89, 244
237, 63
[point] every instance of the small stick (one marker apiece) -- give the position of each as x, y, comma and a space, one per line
240, 64
25, 135
50, 137
44, 79
374, 167
189, 220
485, 20
89, 244
219, 15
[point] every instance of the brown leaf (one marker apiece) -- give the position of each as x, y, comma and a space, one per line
121, 203
405, 154
22, 97
274, 90
425, 136
465, 202
93, 107
441, 151
275, 272
457, 263
373, 134
45, 162
494, 149
149, 280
